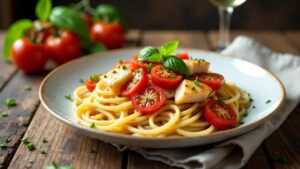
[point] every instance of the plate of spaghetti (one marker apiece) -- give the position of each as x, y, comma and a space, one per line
161, 97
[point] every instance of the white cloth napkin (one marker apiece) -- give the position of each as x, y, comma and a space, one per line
234, 153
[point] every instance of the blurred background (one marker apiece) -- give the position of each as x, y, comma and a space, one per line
179, 14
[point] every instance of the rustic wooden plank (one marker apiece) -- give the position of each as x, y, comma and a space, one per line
281, 143
7, 69
189, 39
15, 124
65, 145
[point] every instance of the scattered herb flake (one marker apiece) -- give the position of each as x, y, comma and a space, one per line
196, 82
251, 100
193, 88
114, 71
245, 115
105, 76
55, 166
4, 114
241, 122
81, 81
268, 101
45, 140
24, 140
31, 161
30, 146
149, 67
42, 151
221, 99
253, 106
27, 88
10, 102
69, 97
94, 78
124, 67
93, 125
282, 160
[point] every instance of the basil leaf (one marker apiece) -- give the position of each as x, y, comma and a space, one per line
43, 9
150, 54
68, 18
96, 47
14, 32
169, 48
176, 64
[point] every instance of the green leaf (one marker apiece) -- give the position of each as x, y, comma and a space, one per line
43, 9
169, 48
150, 54
176, 64
68, 18
14, 32
95, 47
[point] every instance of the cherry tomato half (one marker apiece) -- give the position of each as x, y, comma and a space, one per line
150, 100
63, 48
219, 115
29, 57
183, 56
112, 35
90, 84
164, 77
136, 64
137, 84
213, 80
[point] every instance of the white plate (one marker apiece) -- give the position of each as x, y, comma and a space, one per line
260, 83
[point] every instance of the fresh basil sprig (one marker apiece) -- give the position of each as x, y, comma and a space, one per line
164, 54
14, 32
43, 9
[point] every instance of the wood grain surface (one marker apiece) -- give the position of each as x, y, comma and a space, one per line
68, 147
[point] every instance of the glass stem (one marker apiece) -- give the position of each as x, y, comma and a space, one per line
224, 17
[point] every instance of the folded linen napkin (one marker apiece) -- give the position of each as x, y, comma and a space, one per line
235, 152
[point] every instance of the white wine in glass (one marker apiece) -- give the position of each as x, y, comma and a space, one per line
225, 11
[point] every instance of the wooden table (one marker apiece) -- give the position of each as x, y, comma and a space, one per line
66, 146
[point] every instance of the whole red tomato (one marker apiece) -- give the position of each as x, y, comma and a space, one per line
64, 47
112, 35
87, 19
27, 56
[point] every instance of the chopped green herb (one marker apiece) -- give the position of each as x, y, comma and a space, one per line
81, 81
7, 140
55, 166
241, 122
4, 114
69, 97
10, 102
148, 99
45, 140
105, 76
93, 125
31, 161
3, 145
27, 88
114, 71
24, 140
30, 146
282, 160
149, 67
245, 115
253, 106
193, 88
42, 151
124, 67
221, 99
268, 101
93, 150
251, 100
94, 78
196, 82
229, 97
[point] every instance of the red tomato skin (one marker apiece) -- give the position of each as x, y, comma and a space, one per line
27, 56
87, 19
139, 87
166, 83
183, 56
136, 64
214, 84
112, 35
153, 109
64, 48
90, 85
215, 120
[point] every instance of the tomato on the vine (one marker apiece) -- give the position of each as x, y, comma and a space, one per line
112, 35
42, 30
63, 48
137, 84
28, 56
149, 101
219, 115
213, 80
164, 77
87, 19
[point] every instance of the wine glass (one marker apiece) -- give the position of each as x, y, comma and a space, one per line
225, 8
